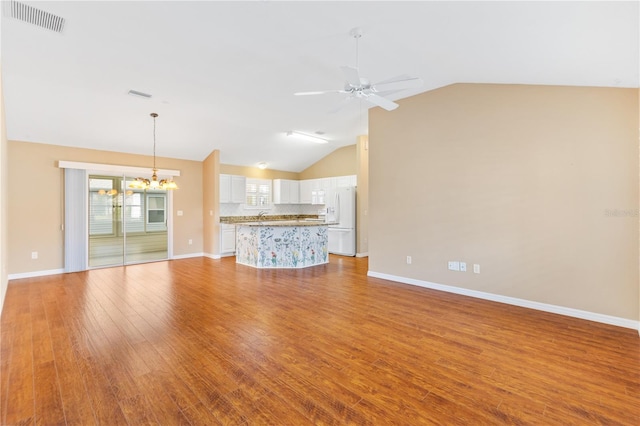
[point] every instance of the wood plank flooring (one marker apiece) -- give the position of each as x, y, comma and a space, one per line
207, 342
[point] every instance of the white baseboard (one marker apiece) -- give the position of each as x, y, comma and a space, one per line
576, 313
365, 254
34, 274
188, 256
211, 256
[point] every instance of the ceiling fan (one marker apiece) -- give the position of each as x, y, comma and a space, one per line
360, 87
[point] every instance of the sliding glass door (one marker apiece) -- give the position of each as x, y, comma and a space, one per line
125, 225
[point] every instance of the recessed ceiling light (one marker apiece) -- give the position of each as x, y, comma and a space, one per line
306, 137
262, 165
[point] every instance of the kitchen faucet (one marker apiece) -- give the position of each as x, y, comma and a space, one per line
261, 215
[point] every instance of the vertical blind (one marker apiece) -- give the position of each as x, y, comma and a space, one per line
75, 220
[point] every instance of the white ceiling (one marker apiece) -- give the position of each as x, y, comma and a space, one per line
223, 74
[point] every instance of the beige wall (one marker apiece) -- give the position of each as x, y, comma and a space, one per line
362, 193
211, 202
36, 201
538, 185
341, 162
3, 202
256, 173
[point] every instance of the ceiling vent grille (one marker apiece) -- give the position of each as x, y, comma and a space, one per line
31, 15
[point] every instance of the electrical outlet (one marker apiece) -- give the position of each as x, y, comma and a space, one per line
476, 268
190, 241
408, 260
34, 255
463, 266
454, 266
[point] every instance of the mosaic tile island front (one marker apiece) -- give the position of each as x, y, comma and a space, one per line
281, 245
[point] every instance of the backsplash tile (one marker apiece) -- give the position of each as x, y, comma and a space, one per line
275, 210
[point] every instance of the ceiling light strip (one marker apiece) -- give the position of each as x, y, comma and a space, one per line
141, 94
306, 137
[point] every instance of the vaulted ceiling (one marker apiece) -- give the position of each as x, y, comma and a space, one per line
222, 74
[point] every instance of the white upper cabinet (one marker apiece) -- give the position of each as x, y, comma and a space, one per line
294, 192
345, 181
225, 188
232, 189
286, 191
305, 191
238, 189
317, 191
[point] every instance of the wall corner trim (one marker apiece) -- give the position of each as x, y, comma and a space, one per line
554, 309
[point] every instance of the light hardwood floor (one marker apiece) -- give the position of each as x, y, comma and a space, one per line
201, 341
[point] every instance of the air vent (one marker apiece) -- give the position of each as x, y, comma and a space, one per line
31, 15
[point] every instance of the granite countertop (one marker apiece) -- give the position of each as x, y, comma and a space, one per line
269, 218
301, 222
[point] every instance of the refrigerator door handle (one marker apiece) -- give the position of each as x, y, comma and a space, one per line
337, 207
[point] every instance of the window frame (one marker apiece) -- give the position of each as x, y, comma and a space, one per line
264, 183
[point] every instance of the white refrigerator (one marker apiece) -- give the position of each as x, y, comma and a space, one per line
341, 208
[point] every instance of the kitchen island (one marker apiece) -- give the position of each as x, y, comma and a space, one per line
282, 244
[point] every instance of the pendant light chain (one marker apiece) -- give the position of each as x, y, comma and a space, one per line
153, 183
154, 115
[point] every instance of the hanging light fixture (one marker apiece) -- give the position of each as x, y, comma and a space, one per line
154, 183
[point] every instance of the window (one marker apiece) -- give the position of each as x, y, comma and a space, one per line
156, 212
258, 193
111, 200
101, 206
134, 221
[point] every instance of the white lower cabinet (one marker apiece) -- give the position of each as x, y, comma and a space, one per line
227, 240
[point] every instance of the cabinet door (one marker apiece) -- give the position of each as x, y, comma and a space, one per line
225, 188
281, 191
294, 192
238, 189
278, 195
344, 181
228, 240
305, 191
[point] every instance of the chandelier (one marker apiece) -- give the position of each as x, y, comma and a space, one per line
154, 183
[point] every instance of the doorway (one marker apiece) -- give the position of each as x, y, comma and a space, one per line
125, 225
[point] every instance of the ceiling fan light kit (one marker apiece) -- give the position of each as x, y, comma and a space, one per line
306, 137
359, 87
153, 183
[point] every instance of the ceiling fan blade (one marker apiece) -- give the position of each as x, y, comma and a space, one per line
381, 102
352, 75
320, 92
397, 85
